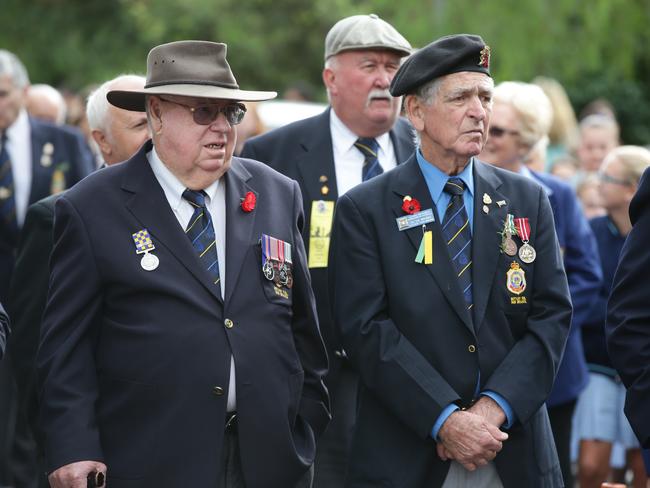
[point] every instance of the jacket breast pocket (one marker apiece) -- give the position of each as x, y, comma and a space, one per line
276, 280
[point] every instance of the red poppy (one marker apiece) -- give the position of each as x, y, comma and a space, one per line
410, 205
248, 202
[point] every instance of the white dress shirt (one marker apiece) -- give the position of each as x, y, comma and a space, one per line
19, 146
216, 204
348, 160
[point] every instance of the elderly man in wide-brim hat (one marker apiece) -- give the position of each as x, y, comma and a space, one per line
460, 309
180, 343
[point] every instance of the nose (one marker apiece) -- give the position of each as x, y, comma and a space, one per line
476, 109
383, 78
220, 124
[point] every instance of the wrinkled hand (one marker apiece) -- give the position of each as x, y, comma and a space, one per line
469, 439
74, 475
490, 410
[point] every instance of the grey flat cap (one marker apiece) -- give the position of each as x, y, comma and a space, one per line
364, 32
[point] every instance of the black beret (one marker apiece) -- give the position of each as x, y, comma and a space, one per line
449, 54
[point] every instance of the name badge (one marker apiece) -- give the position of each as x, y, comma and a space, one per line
320, 228
415, 220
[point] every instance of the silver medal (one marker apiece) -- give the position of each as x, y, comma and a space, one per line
527, 253
149, 262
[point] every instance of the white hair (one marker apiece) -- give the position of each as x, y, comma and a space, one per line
97, 105
54, 96
11, 66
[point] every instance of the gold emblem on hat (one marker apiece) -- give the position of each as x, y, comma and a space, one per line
485, 57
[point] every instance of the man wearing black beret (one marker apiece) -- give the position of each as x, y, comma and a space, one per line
460, 308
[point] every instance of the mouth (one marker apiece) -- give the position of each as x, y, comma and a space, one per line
216, 146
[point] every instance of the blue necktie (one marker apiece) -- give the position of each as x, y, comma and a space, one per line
458, 236
7, 199
369, 147
200, 232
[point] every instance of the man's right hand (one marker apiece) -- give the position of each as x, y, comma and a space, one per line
469, 439
75, 475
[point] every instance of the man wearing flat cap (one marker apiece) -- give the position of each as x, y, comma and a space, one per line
357, 138
180, 344
459, 308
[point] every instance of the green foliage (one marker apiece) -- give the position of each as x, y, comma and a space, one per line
594, 47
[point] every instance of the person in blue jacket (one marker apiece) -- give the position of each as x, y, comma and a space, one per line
521, 118
604, 416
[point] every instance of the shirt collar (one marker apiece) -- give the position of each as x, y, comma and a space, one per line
343, 138
171, 185
525, 171
20, 129
436, 179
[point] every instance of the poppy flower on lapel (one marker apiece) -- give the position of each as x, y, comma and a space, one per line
248, 202
410, 205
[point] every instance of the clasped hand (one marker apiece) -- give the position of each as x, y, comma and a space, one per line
472, 437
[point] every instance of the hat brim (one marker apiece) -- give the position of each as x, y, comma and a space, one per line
134, 99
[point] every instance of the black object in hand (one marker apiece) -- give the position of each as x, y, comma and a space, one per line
95, 479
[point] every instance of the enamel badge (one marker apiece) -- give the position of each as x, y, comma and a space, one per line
516, 279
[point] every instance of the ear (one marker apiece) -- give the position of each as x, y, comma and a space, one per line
329, 79
156, 113
100, 138
415, 112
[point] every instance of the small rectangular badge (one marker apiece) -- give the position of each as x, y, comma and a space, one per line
415, 220
322, 213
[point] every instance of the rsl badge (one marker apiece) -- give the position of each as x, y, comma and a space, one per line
516, 279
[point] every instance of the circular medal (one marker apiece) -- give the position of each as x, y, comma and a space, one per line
268, 271
527, 253
149, 262
509, 246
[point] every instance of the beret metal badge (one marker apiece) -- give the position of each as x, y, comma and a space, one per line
485, 57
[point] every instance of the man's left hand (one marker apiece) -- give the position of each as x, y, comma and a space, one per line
490, 410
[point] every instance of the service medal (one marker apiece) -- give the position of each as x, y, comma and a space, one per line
269, 272
516, 279
149, 261
509, 246
527, 252
144, 245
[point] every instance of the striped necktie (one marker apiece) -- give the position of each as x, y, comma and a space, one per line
7, 198
200, 232
369, 147
458, 236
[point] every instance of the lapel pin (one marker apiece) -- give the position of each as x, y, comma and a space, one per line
501, 203
46, 160
48, 148
324, 190
486, 199
322, 178
486, 209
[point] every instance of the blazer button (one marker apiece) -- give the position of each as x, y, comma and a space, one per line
229, 323
217, 390
471, 348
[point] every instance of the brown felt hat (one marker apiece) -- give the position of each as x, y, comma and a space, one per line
190, 69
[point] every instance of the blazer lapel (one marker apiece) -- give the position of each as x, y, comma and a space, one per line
411, 182
239, 224
316, 165
486, 239
148, 203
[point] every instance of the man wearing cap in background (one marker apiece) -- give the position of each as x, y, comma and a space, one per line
119, 134
456, 334
180, 343
358, 137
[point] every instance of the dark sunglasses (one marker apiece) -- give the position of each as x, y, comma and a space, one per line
206, 114
496, 131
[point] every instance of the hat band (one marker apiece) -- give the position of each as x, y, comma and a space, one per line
233, 86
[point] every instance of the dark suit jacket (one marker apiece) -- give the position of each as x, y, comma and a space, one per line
584, 274
406, 328
628, 315
4, 330
303, 151
71, 159
130, 360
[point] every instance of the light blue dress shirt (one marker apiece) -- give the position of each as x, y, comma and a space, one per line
436, 180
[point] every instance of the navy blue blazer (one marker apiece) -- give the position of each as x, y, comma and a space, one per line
70, 161
583, 271
303, 151
134, 365
407, 330
628, 315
